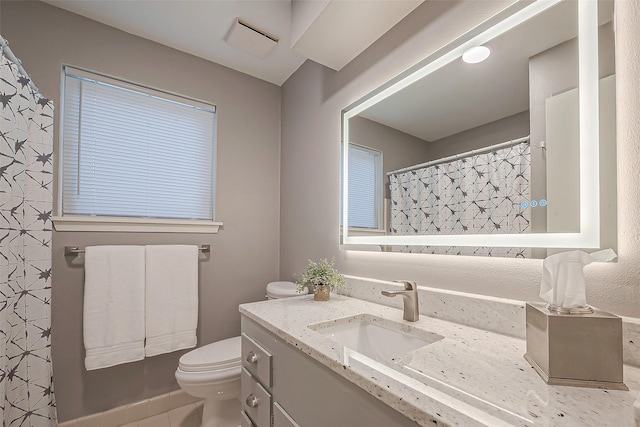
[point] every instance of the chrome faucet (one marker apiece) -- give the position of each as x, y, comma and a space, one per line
410, 297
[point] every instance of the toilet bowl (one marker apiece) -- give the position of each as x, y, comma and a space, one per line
212, 372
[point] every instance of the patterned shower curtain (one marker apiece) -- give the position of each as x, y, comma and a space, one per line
26, 175
480, 194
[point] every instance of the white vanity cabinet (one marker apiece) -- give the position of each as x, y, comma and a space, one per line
299, 391
255, 383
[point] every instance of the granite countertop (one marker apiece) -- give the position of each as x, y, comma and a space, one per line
471, 377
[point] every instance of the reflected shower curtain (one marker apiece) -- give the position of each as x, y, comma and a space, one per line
26, 172
480, 194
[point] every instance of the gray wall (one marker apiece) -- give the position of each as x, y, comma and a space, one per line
399, 149
512, 127
244, 254
312, 99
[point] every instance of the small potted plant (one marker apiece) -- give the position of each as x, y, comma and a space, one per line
321, 277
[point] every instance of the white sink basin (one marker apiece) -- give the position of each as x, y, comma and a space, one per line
379, 339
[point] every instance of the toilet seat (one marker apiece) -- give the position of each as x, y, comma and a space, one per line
282, 290
218, 356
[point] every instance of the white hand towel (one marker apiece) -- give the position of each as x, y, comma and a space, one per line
171, 298
113, 305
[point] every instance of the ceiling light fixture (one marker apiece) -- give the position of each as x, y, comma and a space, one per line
476, 54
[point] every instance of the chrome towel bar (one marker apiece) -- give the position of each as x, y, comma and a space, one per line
76, 250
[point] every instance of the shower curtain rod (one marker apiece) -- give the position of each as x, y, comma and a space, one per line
462, 155
11, 57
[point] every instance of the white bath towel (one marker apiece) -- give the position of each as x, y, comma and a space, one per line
171, 298
113, 305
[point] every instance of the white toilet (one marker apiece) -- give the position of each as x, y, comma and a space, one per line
212, 372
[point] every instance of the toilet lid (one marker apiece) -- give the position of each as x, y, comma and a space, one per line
282, 290
218, 355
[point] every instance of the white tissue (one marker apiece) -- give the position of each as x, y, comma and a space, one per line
563, 278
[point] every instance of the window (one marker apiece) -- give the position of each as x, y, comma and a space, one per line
133, 152
365, 188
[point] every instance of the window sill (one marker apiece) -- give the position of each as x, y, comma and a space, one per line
353, 231
134, 225
365, 232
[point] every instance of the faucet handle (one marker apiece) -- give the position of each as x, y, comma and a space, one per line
409, 285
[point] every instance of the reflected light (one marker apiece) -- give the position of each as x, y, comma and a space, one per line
476, 54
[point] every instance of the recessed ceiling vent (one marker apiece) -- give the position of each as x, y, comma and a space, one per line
250, 38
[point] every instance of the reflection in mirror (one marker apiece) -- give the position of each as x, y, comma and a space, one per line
489, 147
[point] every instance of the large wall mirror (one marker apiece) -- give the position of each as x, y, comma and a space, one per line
510, 154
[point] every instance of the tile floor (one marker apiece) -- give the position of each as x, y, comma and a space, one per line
185, 416
177, 407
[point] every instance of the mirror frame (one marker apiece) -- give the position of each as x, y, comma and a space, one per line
589, 235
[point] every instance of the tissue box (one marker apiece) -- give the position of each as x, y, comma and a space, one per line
580, 350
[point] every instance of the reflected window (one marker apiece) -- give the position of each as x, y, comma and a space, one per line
365, 184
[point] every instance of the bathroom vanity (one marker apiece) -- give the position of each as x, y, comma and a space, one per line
455, 375
283, 382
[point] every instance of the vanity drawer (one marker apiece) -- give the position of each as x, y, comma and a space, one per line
245, 421
256, 359
256, 401
281, 418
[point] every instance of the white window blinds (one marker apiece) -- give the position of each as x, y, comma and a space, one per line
131, 151
365, 187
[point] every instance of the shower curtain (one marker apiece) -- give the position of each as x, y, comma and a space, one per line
480, 194
26, 175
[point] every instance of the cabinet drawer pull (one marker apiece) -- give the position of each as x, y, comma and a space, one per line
252, 401
252, 357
